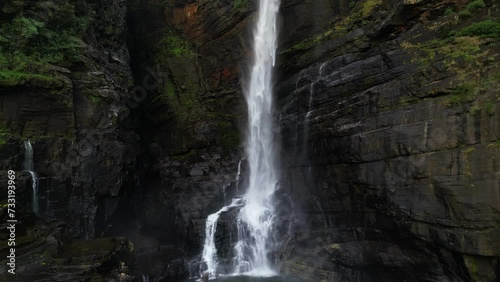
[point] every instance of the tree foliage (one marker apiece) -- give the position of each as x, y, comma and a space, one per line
38, 33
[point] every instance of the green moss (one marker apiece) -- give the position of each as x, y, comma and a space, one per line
407, 100
496, 77
474, 110
240, 4
471, 264
93, 97
469, 150
170, 89
5, 133
174, 45
449, 48
96, 99
368, 7
357, 17
462, 94
449, 11
490, 108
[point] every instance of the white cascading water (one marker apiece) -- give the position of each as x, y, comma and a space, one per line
209, 255
256, 216
29, 166
255, 219
238, 178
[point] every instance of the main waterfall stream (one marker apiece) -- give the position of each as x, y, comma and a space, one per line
256, 216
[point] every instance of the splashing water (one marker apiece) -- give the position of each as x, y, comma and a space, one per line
29, 166
209, 255
255, 220
256, 216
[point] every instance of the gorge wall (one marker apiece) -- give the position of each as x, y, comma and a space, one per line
388, 112
392, 115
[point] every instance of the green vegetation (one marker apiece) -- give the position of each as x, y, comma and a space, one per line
485, 29
240, 4
368, 7
462, 94
463, 52
230, 137
475, 4
490, 108
4, 134
174, 45
496, 77
12, 77
471, 7
170, 89
469, 150
37, 34
449, 11
450, 48
474, 110
359, 15
465, 14
96, 99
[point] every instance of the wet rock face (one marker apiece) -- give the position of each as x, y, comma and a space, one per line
190, 122
395, 153
388, 120
47, 251
226, 237
78, 124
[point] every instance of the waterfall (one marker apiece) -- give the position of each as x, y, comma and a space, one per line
29, 166
238, 178
209, 255
257, 211
255, 219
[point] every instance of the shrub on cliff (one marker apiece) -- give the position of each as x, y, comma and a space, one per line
486, 28
37, 33
476, 4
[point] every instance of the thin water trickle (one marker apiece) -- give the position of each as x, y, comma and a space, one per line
238, 178
29, 166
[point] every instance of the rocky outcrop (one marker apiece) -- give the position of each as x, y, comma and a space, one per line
45, 250
76, 114
74, 118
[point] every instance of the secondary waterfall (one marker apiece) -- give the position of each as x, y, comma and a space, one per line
255, 219
29, 166
209, 255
